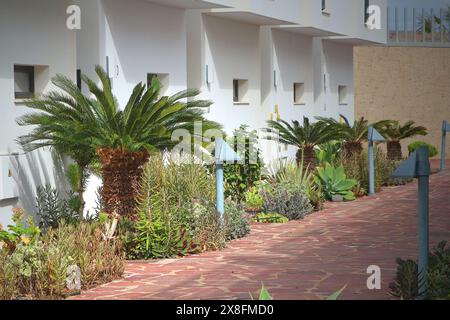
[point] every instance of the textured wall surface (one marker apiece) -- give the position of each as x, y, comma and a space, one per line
404, 83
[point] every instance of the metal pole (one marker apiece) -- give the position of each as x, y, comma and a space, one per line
371, 169
219, 191
444, 147
423, 172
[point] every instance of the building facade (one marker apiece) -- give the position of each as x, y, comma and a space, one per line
255, 59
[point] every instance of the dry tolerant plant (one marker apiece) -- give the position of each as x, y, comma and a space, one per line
39, 269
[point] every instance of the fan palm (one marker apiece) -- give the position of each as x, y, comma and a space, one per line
394, 132
60, 124
123, 139
305, 137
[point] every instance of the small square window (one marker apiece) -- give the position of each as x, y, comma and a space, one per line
299, 93
24, 86
163, 79
240, 90
342, 92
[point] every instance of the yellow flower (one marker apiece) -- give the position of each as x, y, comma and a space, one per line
25, 240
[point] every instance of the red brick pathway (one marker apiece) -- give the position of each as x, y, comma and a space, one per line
306, 259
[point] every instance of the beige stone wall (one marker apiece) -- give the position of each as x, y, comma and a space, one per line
404, 83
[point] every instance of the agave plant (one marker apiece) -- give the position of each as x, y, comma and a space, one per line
334, 182
122, 139
328, 152
394, 132
305, 137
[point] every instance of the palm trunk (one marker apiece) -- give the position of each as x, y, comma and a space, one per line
394, 150
352, 148
80, 191
121, 172
309, 157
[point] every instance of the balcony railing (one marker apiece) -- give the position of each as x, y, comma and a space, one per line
418, 27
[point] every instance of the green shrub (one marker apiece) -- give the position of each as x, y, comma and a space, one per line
253, 200
334, 182
297, 177
176, 212
357, 167
328, 152
287, 200
405, 284
240, 177
237, 224
39, 269
52, 208
207, 230
417, 144
270, 218
22, 231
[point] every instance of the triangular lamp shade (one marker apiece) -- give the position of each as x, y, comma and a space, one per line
407, 168
224, 153
374, 135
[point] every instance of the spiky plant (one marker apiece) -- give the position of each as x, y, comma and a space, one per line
303, 136
125, 138
352, 135
59, 121
122, 139
394, 132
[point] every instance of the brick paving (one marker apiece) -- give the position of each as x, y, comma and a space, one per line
306, 259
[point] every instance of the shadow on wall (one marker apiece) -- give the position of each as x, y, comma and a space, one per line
31, 170
139, 43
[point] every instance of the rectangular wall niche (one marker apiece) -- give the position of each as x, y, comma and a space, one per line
240, 91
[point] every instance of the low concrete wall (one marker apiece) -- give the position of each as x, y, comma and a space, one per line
404, 83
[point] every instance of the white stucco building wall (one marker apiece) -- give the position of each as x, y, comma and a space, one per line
269, 45
32, 33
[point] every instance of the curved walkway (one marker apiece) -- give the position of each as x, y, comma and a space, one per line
306, 259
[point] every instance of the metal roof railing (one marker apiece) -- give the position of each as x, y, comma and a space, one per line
418, 27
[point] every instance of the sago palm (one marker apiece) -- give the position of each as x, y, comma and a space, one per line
60, 122
125, 138
304, 136
394, 132
352, 135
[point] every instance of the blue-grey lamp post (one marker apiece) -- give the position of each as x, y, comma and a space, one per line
223, 153
373, 136
418, 166
445, 129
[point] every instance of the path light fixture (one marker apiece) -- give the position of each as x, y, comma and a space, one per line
373, 136
445, 129
223, 153
418, 166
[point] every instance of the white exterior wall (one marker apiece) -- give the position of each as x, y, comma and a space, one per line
159, 36
290, 56
345, 17
32, 33
232, 51
339, 68
138, 37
